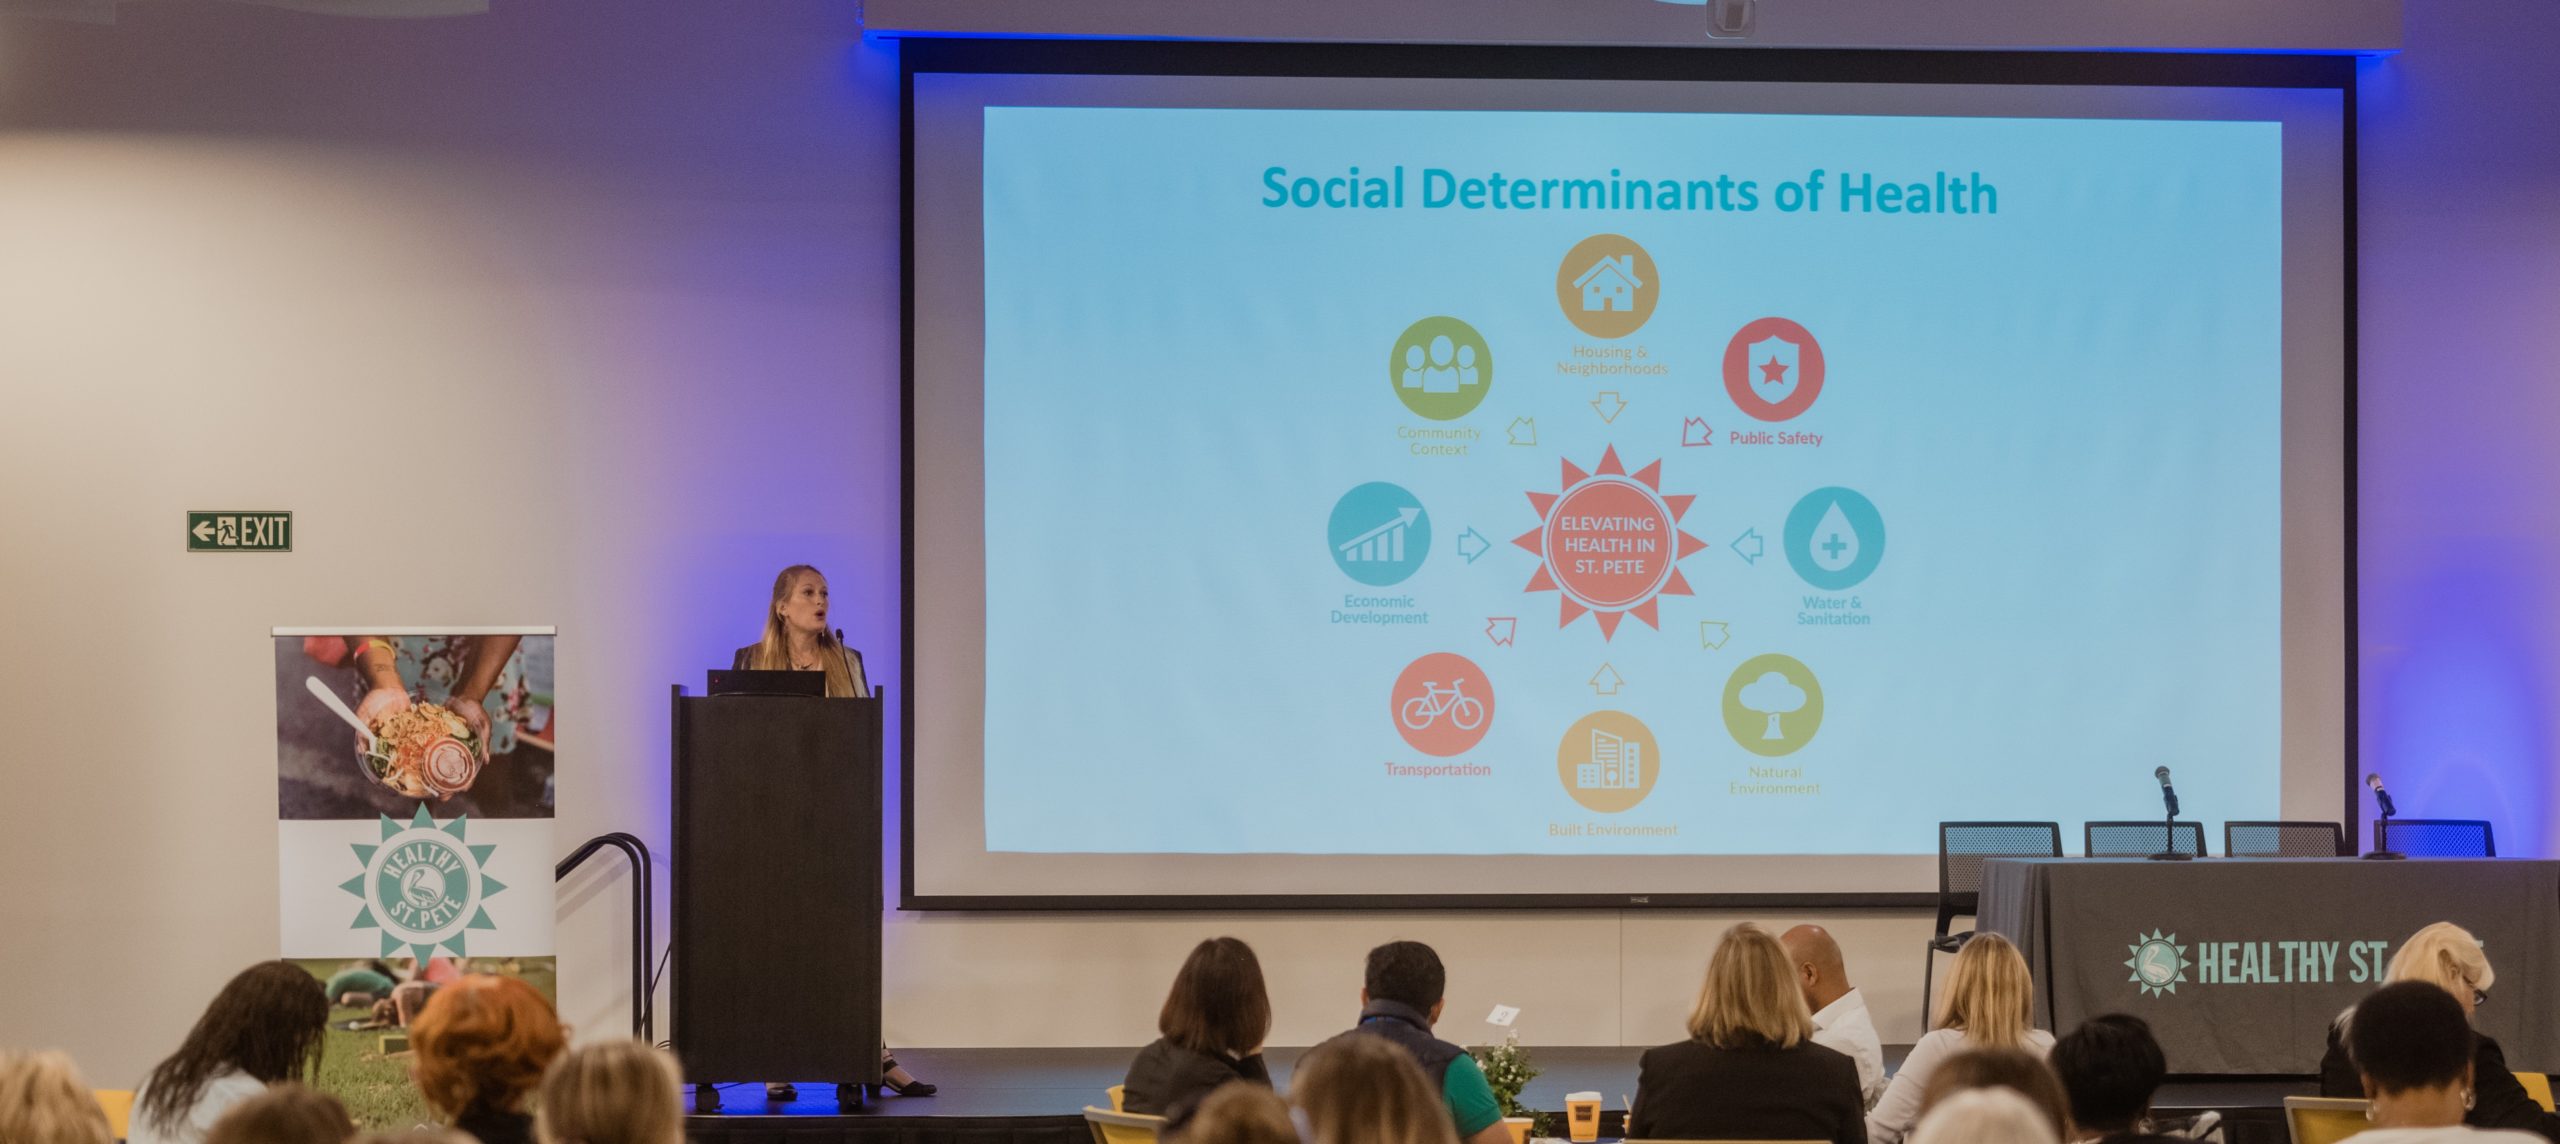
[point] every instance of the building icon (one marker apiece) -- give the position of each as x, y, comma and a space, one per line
1616, 764
1610, 284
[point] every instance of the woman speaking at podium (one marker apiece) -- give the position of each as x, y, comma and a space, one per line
796, 638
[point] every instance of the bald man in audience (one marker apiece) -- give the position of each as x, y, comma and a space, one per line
1840, 1020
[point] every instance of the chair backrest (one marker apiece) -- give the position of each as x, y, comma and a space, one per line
1119, 1095
1121, 1127
118, 1104
2322, 1120
2283, 839
2436, 837
1962, 847
2537, 1086
2137, 839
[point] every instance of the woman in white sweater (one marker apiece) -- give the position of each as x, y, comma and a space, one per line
265, 1026
1988, 1004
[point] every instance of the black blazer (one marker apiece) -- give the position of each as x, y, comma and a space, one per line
2498, 1098
1694, 1091
1167, 1078
746, 658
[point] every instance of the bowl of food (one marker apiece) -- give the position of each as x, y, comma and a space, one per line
424, 751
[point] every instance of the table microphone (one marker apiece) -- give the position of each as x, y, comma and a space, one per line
2382, 802
2169, 833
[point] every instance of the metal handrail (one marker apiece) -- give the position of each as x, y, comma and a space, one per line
643, 936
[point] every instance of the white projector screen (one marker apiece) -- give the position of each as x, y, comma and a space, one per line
1413, 489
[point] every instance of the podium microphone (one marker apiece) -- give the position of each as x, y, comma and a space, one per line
2169, 833
2382, 837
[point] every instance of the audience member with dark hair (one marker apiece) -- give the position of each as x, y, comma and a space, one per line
2413, 1046
264, 1027
1988, 1003
286, 1113
612, 1092
2018, 1070
2109, 1067
43, 1100
1750, 1069
1213, 1023
1400, 1001
1363, 1089
2446, 956
482, 1045
1238, 1114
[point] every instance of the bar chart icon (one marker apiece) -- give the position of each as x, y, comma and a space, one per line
1383, 544
1378, 534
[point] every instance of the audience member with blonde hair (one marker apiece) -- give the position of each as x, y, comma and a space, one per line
2446, 956
1749, 1069
1988, 1004
2017, 1070
2413, 1046
286, 1113
43, 1100
1996, 1115
1238, 1114
612, 1092
1360, 1088
482, 1045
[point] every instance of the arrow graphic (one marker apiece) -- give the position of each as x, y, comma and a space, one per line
1524, 431
1609, 405
203, 532
1712, 634
1606, 682
1695, 433
1472, 544
1749, 545
1500, 629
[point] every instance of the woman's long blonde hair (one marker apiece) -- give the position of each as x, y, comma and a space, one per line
1989, 994
44, 1101
1360, 1088
2444, 955
612, 1092
773, 652
1750, 999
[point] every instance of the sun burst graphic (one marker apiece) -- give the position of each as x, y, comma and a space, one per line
2158, 963
424, 885
1610, 543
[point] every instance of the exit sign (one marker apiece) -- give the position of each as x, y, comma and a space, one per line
239, 532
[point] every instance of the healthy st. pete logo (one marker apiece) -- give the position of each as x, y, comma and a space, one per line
423, 886
1610, 543
2159, 963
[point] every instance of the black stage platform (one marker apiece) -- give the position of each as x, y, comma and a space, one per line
1037, 1096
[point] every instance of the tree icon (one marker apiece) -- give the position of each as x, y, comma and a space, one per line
1774, 696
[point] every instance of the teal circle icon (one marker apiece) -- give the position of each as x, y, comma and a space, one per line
1834, 538
1379, 534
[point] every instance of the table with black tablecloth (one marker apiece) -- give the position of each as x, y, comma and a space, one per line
2240, 964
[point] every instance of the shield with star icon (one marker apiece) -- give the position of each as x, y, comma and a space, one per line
1773, 369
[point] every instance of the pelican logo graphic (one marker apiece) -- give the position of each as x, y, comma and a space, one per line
2158, 963
423, 885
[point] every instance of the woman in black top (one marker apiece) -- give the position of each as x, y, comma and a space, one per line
2447, 956
1750, 1070
1213, 1023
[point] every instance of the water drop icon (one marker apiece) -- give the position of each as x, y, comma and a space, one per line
1834, 540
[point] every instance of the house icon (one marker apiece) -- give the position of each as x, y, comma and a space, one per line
1610, 284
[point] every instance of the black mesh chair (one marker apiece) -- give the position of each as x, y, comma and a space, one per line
2138, 839
2436, 837
2283, 840
1962, 847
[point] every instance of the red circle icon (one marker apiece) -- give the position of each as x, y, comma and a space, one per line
1609, 540
1773, 369
1442, 704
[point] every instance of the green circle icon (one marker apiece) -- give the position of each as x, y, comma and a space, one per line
1441, 368
1772, 705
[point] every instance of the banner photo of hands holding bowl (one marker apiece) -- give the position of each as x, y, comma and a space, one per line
371, 723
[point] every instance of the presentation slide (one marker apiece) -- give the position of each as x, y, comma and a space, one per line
1410, 481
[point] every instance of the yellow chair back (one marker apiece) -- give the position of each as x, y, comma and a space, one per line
2537, 1086
119, 1106
1122, 1127
2323, 1120
1118, 1091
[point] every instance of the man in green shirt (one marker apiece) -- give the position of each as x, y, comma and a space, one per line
1400, 1002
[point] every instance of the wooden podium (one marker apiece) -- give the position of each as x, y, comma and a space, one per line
777, 891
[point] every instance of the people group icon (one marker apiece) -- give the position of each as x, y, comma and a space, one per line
1446, 367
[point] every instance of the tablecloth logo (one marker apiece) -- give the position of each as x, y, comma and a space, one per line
2159, 963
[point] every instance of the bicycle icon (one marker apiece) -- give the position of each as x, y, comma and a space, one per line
1435, 702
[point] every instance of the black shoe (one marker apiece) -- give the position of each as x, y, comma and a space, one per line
780, 1090
912, 1088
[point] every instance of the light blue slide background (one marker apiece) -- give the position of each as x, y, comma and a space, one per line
2067, 414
